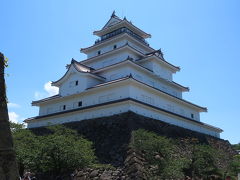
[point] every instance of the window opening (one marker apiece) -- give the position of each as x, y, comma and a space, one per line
192, 115
79, 103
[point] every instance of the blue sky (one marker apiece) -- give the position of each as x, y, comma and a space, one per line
202, 37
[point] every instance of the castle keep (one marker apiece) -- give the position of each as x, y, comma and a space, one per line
122, 73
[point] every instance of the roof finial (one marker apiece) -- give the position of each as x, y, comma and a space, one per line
161, 53
124, 18
113, 14
129, 58
67, 66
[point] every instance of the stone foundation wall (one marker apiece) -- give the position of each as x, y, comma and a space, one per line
111, 137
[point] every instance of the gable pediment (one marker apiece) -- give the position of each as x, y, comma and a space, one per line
75, 68
112, 21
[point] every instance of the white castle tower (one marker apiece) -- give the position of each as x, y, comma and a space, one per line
121, 73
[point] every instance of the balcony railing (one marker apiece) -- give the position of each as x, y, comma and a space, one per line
120, 31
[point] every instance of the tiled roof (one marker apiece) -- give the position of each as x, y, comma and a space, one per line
74, 62
47, 99
82, 49
129, 23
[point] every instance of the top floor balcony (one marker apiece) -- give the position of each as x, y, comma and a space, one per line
121, 31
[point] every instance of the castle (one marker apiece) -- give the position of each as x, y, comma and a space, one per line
121, 73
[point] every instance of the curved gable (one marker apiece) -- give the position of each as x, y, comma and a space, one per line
74, 68
71, 70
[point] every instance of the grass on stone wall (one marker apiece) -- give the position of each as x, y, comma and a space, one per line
179, 158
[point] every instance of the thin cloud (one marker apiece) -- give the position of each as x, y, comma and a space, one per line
14, 117
13, 105
51, 90
39, 95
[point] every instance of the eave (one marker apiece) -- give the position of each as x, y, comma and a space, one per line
59, 97
130, 78
124, 47
199, 108
33, 119
89, 69
183, 88
123, 23
115, 38
35, 103
169, 65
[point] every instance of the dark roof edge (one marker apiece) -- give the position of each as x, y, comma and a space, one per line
203, 108
118, 48
122, 21
183, 87
112, 39
77, 62
144, 56
117, 101
46, 99
130, 77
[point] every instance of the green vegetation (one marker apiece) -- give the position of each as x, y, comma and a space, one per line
62, 151
236, 146
8, 164
203, 161
160, 152
170, 162
59, 152
234, 167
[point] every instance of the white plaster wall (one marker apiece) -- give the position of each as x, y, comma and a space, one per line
91, 81
162, 71
156, 82
84, 81
91, 97
158, 69
152, 113
107, 110
68, 87
110, 59
107, 48
87, 99
160, 101
116, 72
139, 48
118, 108
124, 70
147, 64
